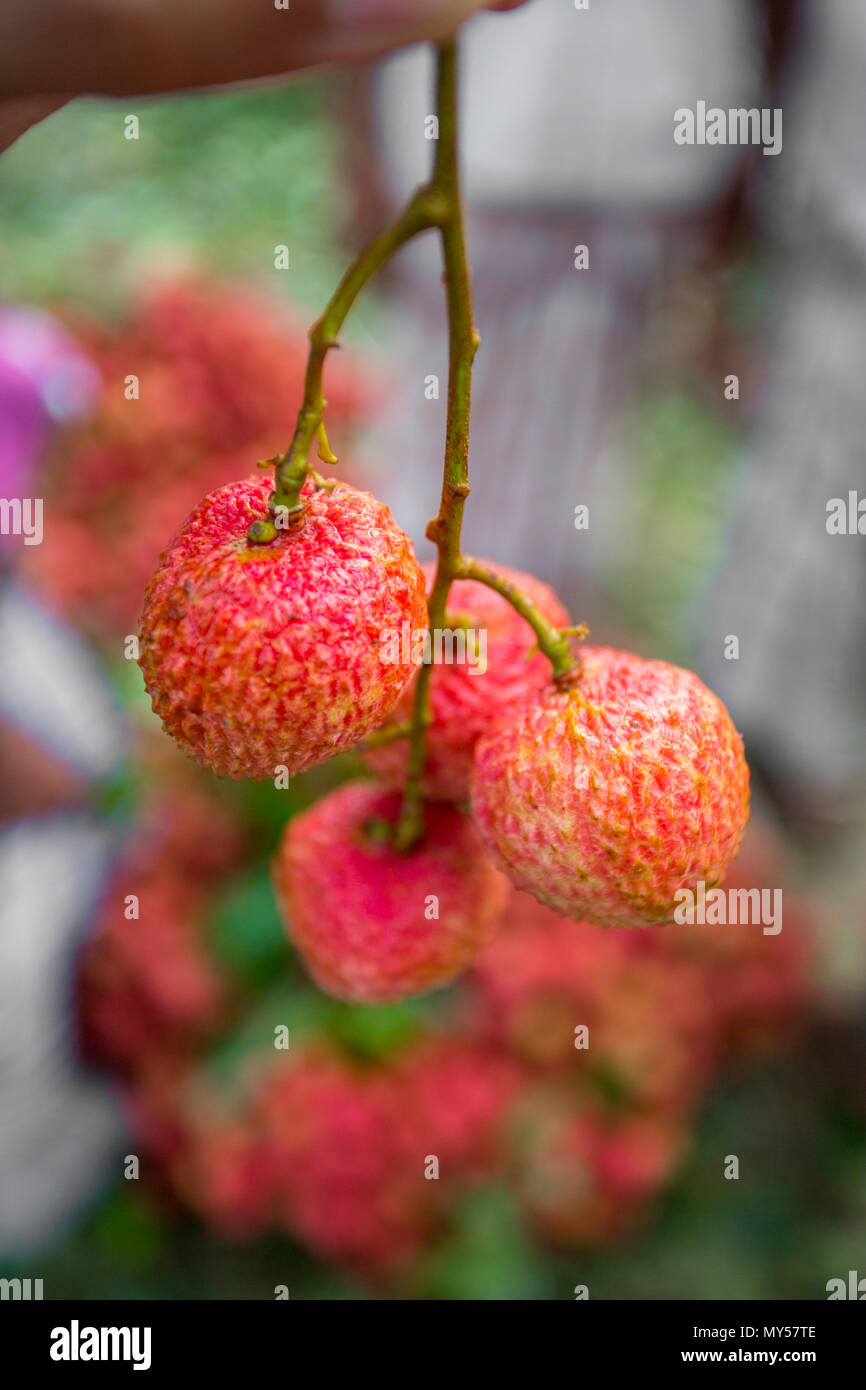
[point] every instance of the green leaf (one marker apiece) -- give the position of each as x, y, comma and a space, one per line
246, 932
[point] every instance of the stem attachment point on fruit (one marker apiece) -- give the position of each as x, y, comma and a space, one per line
262, 532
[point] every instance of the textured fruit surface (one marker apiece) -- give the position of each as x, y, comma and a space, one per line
464, 699
606, 797
259, 657
374, 923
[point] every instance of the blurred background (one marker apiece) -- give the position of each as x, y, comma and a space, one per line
154, 1142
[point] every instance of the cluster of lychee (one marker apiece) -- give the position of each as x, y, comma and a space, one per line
568, 1067
603, 792
555, 809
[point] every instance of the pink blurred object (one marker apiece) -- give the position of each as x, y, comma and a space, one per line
44, 380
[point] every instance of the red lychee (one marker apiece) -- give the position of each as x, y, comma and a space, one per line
611, 1006
264, 657
374, 923
756, 972
343, 1180
454, 1095
350, 1143
605, 795
206, 1148
583, 1177
467, 695
223, 1174
542, 977
147, 984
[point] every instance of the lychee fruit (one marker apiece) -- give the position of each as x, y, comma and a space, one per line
350, 1143
607, 794
206, 1149
224, 1173
374, 923
455, 1094
756, 973
466, 695
583, 1177
543, 976
260, 658
343, 1180
150, 985
632, 1019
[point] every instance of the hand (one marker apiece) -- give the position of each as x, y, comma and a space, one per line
64, 48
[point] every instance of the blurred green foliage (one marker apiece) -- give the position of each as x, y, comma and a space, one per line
247, 935
682, 457
215, 180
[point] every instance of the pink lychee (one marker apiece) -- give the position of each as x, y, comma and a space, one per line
343, 1181
260, 658
455, 1094
374, 923
583, 1177
350, 1143
756, 974
217, 363
614, 1007
606, 794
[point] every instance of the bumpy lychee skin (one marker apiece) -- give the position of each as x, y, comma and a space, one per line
605, 796
465, 697
373, 923
259, 657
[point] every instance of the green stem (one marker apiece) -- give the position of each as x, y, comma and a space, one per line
423, 211
445, 528
553, 642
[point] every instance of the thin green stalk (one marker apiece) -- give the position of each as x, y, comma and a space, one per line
463, 341
423, 211
553, 642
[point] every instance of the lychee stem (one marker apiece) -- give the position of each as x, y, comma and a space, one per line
554, 643
445, 528
424, 210
463, 341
